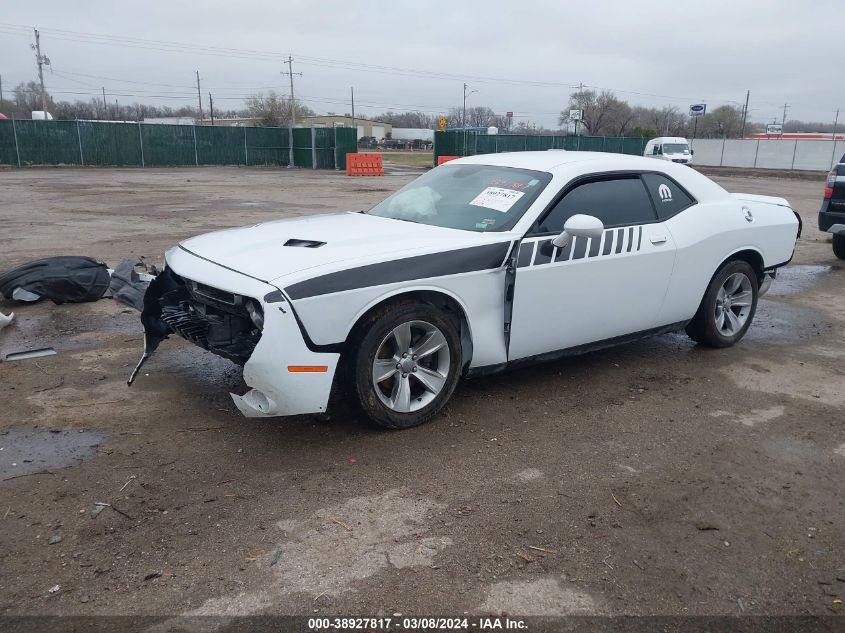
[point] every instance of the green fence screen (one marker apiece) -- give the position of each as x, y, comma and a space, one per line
25, 143
457, 143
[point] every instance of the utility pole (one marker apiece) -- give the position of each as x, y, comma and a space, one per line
41, 60
745, 113
354, 127
580, 104
211, 108
199, 94
105, 105
833, 137
1, 92
464, 116
292, 120
783, 120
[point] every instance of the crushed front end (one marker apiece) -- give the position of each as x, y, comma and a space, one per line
245, 320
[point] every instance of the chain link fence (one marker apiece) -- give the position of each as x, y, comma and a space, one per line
469, 143
27, 143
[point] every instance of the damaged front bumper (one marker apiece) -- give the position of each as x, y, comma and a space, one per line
245, 320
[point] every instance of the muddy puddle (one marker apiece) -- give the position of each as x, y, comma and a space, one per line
779, 323
792, 279
24, 451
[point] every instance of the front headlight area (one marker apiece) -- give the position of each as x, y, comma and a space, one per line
223, 322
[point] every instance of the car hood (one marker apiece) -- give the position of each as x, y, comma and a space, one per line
260, 250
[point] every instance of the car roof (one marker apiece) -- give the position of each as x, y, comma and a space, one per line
569, 164
549, 160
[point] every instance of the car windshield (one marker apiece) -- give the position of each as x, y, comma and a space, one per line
675, 148
468, 197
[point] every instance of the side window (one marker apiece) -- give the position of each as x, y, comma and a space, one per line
619, 201
668, 196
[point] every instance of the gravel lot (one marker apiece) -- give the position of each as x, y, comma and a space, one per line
652, 478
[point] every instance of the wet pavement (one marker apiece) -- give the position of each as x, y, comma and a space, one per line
24, 451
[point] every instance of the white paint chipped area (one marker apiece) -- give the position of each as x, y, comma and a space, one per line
328, 552
753, 417
840, 450
544, 597
529, 474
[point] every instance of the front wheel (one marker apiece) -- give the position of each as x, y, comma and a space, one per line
406, 365
839, 246
728, 306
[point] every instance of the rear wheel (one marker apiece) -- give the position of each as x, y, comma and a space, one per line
728, 306
839, 246
407, 364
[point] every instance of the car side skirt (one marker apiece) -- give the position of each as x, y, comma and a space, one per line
575, 351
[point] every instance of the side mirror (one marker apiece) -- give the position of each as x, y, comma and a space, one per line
692, 152
579, 225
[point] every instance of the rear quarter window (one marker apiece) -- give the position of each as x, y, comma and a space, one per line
668, 196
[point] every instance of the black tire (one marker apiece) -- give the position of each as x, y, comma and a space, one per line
839, 246
370, 336
703, 328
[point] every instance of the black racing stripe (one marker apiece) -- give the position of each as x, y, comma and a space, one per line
544, 252
526, 251
580, 248
594, 246
630, 238
640, 239
608, 242
408, 269
620, 233
563, 253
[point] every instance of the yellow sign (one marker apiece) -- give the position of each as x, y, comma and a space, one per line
442, 123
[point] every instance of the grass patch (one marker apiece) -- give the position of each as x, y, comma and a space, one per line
407, 159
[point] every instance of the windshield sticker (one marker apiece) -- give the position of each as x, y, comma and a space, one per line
485, 224
512, 184
497, 199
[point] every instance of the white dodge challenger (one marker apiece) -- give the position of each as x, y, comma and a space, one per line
480, 264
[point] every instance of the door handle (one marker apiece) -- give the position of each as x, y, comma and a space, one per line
659, 239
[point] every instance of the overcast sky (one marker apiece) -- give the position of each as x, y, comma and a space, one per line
521, 56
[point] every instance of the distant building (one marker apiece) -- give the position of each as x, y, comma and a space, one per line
366, 127
234, 122
171, 120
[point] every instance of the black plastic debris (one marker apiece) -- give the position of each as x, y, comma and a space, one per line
130, 280
65, 279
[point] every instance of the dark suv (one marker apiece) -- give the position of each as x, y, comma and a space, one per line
832, 214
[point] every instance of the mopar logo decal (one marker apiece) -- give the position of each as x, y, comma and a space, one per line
749, 217
665, 193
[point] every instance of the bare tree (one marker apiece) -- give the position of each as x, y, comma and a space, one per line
602, 112
27, 97
723, 122
274, 110
478, 116
408, 119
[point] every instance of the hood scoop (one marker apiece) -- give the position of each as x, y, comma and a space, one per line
304, 243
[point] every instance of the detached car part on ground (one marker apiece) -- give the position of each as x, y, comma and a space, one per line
482, 263
832, 213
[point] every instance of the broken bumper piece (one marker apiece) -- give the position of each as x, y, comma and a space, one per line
245, 320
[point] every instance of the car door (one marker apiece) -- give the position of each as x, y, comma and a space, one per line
594, 289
